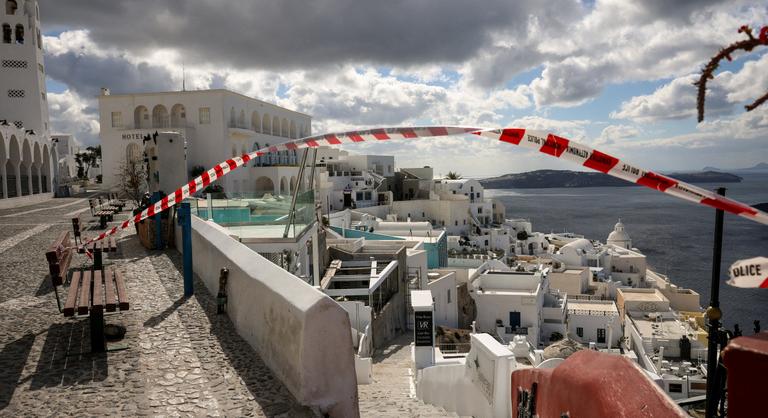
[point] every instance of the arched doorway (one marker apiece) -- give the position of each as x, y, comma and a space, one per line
133, 153
276, 126
160, 118
283, 185
46, 175
3, 174
25, 168
36, 165
293, 184
178, 116
264, 185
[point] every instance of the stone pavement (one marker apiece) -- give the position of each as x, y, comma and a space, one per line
178, 357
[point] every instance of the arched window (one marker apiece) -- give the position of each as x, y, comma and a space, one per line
241, 120
141, 118
284, 128
266, 126
10, 7
292, 132
232, 120
19, 33
160, 118
255, 122
178, 116
276, 126
7, 33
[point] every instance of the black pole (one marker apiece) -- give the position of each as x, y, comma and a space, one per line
714, 314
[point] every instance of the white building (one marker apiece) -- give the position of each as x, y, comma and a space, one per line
67, 147
25, 104
216, 125
619, 237
594, 321
28, 162
513, 303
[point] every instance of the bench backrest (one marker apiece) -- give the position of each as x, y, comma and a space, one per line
58, 256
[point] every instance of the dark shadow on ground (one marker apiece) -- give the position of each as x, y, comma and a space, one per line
12, 360
399, 342
247, 363
157, 319
66, 357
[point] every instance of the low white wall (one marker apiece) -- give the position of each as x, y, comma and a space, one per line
299, 332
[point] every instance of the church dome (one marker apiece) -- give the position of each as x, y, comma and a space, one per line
619, 236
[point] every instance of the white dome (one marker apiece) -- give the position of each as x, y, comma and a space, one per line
619, 235
578, 247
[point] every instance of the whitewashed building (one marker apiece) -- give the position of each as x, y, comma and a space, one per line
28, 162
215, 124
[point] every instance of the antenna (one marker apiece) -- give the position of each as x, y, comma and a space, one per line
183, 77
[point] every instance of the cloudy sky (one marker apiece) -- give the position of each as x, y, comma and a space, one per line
616, 74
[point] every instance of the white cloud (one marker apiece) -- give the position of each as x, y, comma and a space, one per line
613, 133
70, 113
677, 99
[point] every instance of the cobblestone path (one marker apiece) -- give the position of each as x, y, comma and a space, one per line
178, 357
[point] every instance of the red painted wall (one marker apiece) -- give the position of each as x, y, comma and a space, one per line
595, 385
746, 359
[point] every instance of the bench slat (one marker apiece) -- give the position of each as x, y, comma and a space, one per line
85, 293
98, 292
122, 295
69, 305
109, 290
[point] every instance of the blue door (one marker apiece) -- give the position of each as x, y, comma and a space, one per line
514, 320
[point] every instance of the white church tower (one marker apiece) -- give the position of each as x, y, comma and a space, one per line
22, 74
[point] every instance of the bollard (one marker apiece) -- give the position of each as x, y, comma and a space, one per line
156, 197
221, 297
185, 220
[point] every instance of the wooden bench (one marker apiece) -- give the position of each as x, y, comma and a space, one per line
98, 206
106, 245
59, 257
93, 292
77, 229
104, 217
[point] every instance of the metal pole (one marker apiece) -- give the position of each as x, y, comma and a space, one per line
714, 314
291, 213
156, 197
185, 220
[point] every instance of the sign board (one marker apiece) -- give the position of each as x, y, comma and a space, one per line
423, 330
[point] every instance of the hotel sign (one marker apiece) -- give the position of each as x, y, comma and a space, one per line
423, 329
133, 136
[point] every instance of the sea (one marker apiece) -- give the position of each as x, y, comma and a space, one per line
676, 236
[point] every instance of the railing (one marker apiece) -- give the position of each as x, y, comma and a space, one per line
253, 209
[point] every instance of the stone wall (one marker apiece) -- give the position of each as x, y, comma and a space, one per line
301, 334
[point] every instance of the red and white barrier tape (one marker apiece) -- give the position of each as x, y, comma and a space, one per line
752, 272
541, 141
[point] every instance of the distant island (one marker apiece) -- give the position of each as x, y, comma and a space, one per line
566, 178
757, 168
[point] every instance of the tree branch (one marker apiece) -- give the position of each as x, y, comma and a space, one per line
707, 73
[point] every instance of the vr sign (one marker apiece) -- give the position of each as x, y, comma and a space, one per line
423, 329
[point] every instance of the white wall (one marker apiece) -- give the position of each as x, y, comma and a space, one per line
479, 387
446, 313
301, 334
